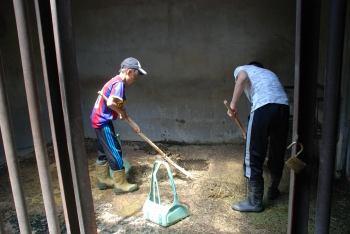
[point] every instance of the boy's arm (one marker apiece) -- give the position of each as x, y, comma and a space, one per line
116, 104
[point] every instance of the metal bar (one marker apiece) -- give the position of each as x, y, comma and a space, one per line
295, 115
343, 139
308, 20
347, 170
70, 95
336, 29
53, 97
321, 87
12, 158
34, 108
2, 229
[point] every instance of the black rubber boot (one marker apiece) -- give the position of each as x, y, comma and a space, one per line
273, 192
254, 201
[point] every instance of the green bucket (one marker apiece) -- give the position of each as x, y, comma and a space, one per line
153, 210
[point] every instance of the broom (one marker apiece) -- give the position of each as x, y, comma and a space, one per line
155, 147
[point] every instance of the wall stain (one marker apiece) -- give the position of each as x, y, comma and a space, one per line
180, 121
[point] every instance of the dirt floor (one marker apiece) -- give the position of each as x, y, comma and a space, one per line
219, 182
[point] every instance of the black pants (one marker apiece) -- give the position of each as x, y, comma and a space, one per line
109, 147
269, 121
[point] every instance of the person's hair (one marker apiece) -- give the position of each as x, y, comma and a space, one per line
123, 70
257, 64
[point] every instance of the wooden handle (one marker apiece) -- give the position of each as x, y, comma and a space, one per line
154, 146
237, 121
102, 95
165, 156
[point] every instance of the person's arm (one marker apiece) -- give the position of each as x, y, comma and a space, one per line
114, 103
242, 78
134, 125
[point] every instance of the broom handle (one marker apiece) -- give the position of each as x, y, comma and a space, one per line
165, 156
237, 120
154, 146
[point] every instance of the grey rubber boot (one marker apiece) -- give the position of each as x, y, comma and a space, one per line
273, 192
254, 201
104, 181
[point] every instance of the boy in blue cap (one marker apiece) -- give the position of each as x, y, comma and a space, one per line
103, 113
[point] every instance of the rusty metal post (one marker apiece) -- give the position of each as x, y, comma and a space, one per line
307, 46
54, 104
34, 108
335, 44
12, 158
70, 95
295, 114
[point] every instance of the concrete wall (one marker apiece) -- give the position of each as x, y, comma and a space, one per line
188, 48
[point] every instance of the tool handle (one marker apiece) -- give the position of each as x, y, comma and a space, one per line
102, 95
237, 120
154, 146
165, 156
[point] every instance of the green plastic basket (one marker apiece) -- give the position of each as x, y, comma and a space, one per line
153, 210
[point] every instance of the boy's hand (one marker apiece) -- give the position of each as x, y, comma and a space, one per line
137, 129
134, 126
233, 112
